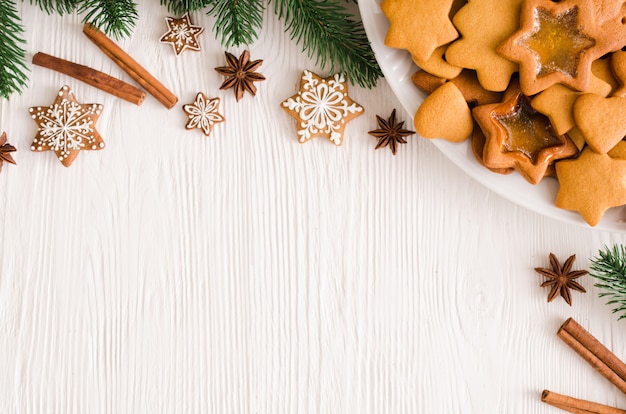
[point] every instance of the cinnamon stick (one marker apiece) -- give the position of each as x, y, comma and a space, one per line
130, 66
574, 405
592, 351
91, 76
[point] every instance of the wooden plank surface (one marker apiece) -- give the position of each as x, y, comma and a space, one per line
247, 273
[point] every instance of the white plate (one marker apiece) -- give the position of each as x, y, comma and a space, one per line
398, 67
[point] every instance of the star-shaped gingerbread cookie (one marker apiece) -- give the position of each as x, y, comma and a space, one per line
517, 136
322, 107
182, 35
66, 127
203, 113
556, 43
591, 184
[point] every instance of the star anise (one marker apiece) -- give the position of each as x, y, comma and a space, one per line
390, 133
561, 278
241, 74
6, 150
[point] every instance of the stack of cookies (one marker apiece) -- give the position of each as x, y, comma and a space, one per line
538, 86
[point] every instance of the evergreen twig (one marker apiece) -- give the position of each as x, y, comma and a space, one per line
237, 21
13, 76
185, 6
60, 6
325, 28
114, 17
610, 270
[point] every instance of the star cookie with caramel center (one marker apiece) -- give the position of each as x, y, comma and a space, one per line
322, 107
517, 136
66, 127
182, 34
556, 43
591, 184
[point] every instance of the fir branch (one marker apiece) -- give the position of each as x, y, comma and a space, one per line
325, 28
610, 269
238, 21
13, 67
60, 6
181, 7
114, 17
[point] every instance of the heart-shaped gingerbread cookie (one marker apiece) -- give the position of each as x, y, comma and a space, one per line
602, 121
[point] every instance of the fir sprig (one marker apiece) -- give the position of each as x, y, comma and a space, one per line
60, 6
327, 30
13, 70
114, 17
610, 270
237, 21
185, 6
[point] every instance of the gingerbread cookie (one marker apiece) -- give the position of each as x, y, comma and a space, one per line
591, 184
322, 107
181, 34
444, 114
66, 127
556, 43
557, 101
483, 25
517, 136
467, 82
618, 68
203, 114
602, 121
419, 26
437, 64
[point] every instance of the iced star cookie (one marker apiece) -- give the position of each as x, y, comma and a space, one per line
203, 114
181, 34
322, 107
66, 127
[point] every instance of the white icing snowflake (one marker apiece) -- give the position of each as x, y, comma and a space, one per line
203, 113
322, 107
66, 127
182, 34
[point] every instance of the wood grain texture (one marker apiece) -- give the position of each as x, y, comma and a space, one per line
247, 273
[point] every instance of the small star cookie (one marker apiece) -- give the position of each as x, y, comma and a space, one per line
591, 184
66, 127
322, 107
203, 114
182, 35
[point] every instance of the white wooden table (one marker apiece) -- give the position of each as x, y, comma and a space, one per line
247, 273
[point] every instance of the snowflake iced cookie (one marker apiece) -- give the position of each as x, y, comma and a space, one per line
203, 113
322, 107
66, 127
181, 34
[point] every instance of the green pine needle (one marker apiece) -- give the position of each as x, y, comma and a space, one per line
185, 6
60, 6
237, 21
13, 67
114, 17
328, 31
610, 270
